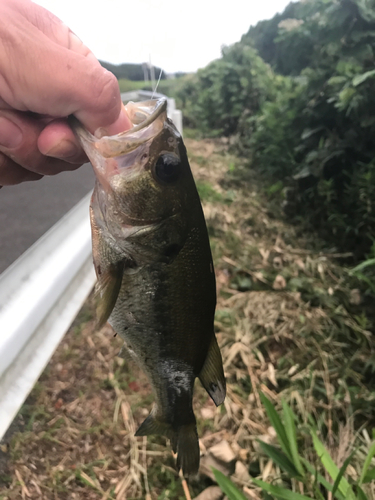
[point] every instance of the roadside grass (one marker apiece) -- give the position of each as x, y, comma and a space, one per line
129, 85
291, 328
166, 87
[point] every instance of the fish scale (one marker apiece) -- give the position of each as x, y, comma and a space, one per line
156, 281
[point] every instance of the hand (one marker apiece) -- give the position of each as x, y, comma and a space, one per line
46, 74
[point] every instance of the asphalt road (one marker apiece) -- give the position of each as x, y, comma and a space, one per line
28, 210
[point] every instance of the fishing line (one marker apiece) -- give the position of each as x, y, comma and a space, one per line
157, 84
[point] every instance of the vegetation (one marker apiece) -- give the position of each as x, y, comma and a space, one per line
129, 85
297, 470
169, 87
297, 95
291, 326
133, 72
215, 99
295, 315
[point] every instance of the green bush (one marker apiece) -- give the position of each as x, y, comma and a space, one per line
311, 128
218, 96
319, 130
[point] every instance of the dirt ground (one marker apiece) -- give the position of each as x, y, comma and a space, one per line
286, 325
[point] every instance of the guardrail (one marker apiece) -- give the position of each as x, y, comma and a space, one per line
41, 294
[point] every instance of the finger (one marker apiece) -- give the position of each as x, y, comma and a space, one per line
122, 122
19, 136
62, 70
58, 140
4, 105
11, 173
63, 82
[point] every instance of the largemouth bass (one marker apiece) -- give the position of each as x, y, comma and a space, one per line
155, 274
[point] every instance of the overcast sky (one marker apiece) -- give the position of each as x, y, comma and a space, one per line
179, 35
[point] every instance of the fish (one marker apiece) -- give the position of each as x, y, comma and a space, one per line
155, 274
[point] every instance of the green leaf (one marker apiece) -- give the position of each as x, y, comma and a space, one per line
367, 463
346, 95
277, 424
363, 265
279, 492
365, 279
266, 496
227, 486
361, 495
320, 479
330, 466
280, 459
358, 79
337, 80
291, 432
370, 476
308, 132
275, 188
341, 472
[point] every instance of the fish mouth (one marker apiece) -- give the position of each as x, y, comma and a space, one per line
147, 117
142, 114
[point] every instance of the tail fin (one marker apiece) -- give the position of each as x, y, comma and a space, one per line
184, 441
188, 449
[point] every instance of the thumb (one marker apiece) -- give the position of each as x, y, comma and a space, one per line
57, 74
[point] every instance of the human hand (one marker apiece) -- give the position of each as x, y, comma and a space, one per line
46, 74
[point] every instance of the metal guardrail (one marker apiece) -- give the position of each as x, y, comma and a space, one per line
41, 294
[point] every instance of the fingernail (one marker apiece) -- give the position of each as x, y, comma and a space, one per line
10, 134
64, 149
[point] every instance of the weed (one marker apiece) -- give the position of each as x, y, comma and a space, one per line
208, 193
299, 340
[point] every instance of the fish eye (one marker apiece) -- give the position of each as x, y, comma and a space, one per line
168, 168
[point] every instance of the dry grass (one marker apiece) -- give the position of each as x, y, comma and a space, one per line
286, 324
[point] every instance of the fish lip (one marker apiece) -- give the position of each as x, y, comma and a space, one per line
102, 143
159, 108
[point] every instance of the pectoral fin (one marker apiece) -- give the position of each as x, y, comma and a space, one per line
212, 374
107, 290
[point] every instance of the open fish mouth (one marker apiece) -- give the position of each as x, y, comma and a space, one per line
148, 119
126, 152
144, 113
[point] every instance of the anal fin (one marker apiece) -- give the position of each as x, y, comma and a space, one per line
212, 374
152, 425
